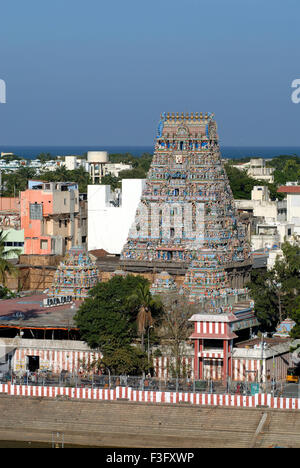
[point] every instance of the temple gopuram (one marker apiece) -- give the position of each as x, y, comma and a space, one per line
187, 208
75, 276
186, 223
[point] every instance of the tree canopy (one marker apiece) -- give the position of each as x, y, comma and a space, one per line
276, 291
110, 313
107, 320
6, 267
241, 184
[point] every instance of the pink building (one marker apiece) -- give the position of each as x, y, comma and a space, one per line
50, 217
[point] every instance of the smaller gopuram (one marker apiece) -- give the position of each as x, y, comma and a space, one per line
75, 276
163, 284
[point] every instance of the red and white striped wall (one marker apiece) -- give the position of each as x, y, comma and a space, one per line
243, 369
55, 360
145, 396
211, 328
163, 366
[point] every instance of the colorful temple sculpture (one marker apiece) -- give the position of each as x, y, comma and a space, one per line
75, 276
284, 328
163, 284
187, 218
187, 211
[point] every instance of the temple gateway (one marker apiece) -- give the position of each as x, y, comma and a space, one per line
186, 221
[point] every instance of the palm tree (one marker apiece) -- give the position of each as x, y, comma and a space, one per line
146, 304
6, 267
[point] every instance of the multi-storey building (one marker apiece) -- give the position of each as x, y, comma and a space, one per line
10, 224
257, 169
52, 217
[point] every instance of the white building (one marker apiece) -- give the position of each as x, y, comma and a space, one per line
270, 225
260, 204
110, 214
290, 229
73, 162
116, 168
292, 192
256, 168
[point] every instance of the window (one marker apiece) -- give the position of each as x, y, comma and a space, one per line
36, 211
172, 232
44, 244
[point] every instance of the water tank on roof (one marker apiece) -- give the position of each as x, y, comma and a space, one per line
97, 157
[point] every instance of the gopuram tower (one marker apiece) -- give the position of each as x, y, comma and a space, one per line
187, 211
187, 224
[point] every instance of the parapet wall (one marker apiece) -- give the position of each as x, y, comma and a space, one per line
144, 396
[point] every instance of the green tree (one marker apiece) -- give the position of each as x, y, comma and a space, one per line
111, 180
276, 291
17, 181
6, 293
45, 157
241, 184
265, 298
62, 174
106, 319
135, 173
127, 360
6, 267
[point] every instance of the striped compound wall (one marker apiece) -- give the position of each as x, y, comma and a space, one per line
145, 396
243, 369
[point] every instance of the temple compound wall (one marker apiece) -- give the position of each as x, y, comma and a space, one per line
74, 356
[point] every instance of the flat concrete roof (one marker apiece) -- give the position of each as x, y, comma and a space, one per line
257, 341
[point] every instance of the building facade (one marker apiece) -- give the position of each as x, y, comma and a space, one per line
111, 214
257, 169
10, 224
51, 217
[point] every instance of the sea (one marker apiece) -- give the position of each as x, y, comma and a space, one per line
227, 152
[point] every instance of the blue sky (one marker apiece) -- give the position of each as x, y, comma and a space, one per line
100, 73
